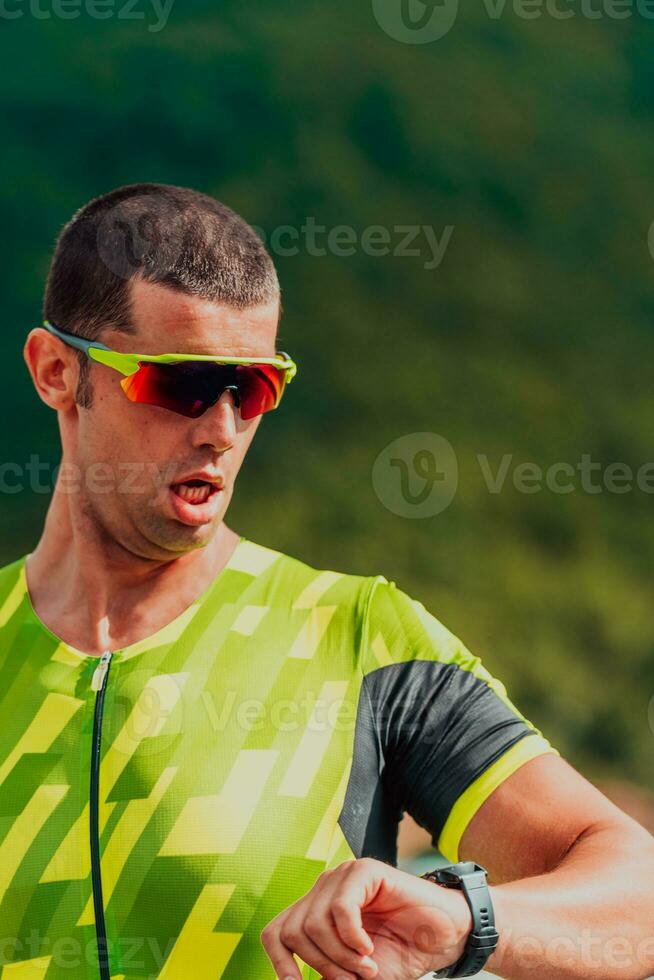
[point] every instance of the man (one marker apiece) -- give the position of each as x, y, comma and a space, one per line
206, 746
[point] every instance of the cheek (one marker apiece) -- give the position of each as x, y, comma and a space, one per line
246, 435
110, 410
125, 434
251, 427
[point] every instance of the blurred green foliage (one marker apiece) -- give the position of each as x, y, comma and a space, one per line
535, 140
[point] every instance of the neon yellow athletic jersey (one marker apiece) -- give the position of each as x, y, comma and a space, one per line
159, 808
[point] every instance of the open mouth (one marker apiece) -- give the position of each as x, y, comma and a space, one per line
195, 491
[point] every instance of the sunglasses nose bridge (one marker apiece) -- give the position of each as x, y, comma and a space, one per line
219, 390
215, 399
235, 392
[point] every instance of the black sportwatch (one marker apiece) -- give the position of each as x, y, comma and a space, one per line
470, 878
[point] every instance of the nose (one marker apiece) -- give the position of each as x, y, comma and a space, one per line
217, 426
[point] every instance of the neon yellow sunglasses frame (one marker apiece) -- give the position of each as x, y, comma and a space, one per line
129, 363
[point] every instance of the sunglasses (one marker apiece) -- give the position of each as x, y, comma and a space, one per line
189, 384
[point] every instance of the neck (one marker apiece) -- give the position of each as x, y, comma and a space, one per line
96, 595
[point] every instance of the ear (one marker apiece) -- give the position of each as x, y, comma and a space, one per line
54, 369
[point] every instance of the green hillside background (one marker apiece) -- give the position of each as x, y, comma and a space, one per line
534, 337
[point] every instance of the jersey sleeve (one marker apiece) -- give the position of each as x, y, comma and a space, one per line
448, 735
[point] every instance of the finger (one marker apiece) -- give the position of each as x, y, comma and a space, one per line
320, 928
281, 958
294, 938
355, 891
349, 926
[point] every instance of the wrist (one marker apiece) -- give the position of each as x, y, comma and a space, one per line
462, 923
480, 936
449, 907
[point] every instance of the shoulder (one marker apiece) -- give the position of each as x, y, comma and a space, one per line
300, 582
401, 632
387, 625
386, 615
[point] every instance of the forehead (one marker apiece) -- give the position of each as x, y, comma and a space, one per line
168, 321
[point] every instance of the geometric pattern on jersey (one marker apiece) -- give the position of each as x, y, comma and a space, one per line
279, 726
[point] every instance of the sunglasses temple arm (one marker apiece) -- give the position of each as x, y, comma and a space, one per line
72, 340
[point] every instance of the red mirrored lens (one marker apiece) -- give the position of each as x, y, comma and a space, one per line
260, 388
191, 387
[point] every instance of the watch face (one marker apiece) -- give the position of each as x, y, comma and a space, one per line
448, 877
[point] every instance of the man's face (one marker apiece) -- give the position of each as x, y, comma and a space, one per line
145, 450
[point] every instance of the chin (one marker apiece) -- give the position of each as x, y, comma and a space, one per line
179, 539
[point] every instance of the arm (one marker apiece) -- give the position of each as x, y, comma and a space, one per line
574, 898
581, 872
574, 878
568, 870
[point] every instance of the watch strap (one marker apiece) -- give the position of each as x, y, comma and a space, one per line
470, 878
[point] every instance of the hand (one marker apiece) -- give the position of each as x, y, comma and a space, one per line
367, 918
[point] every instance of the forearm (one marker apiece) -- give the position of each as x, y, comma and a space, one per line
592, 918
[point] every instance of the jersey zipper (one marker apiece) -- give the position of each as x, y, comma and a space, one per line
99, 685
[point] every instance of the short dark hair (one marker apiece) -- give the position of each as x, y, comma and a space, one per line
172, 236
